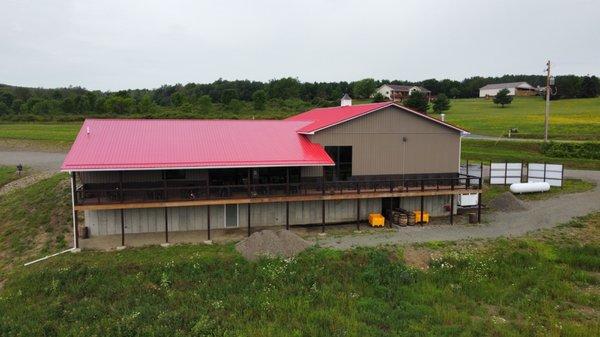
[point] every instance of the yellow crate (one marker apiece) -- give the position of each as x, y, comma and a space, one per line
418, 216
376, 220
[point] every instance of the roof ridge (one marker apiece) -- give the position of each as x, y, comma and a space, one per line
189, 119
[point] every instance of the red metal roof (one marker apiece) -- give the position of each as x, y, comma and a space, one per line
130, 144
322, 118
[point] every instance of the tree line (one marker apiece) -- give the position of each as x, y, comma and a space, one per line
224, 96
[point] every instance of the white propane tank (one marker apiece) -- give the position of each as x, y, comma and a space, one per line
529, 187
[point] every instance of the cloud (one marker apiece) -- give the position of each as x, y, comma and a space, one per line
116, 45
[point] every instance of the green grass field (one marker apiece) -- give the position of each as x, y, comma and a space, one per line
7, 174
486, 150
51, 132
35, 221
570, 119
543, 284
569, 186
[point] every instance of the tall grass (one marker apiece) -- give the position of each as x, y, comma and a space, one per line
34, 220
517, 287
570, 119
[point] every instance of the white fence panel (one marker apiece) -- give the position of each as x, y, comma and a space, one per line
505, 173
550, 173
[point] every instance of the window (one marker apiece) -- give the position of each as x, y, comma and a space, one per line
175, 174
342, 156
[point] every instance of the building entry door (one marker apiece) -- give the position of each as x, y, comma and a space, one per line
232, 216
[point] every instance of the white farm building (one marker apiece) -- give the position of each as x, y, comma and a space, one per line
514, 89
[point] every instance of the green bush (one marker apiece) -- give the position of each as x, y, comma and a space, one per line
586, 150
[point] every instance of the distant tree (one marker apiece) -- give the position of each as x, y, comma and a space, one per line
235, 105
6, 97
378, 97
259, 97
16, 105
503, 98
4, 109
568, 86
118, 104
228, 95
417, 101
178, 98
146, 105
284, 88
441, 104
205, 103
590, 87
454, 92
364, 88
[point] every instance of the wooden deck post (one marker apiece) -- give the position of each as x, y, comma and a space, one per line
249, 219
287, 215
287, 181
357, 214
479, 204
166, 225
421, 217
481, 171
323, 182
208, 222
323, 216
122, 229
479, 208
452, 209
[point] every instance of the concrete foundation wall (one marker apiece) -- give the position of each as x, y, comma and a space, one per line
107, 222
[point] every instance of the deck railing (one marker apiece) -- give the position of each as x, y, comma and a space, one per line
117, 193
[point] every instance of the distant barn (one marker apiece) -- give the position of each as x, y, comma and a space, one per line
514, 89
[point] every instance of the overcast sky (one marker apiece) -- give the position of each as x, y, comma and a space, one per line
129, 44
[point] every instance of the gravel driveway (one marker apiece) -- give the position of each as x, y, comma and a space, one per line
40, 161
541, 214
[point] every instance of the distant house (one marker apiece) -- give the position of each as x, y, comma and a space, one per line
514, 89
397, 92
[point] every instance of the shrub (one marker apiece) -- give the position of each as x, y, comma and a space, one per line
586, 150
378, 97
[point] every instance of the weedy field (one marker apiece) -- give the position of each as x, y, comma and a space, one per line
544, 284
488, 150
34, 221
7, 174
570, 119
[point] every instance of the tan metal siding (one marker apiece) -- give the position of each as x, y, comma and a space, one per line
376, 141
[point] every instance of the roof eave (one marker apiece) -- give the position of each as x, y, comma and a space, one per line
93, 169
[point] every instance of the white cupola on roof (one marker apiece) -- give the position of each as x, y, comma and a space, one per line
346, 100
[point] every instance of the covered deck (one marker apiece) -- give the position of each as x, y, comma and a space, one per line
244, 186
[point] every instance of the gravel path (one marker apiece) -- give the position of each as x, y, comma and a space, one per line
517, 139
42, 164
541, 214
42, 161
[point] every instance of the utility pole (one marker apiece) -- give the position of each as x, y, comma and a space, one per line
547, 116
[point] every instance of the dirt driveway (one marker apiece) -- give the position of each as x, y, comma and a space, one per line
540, 214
